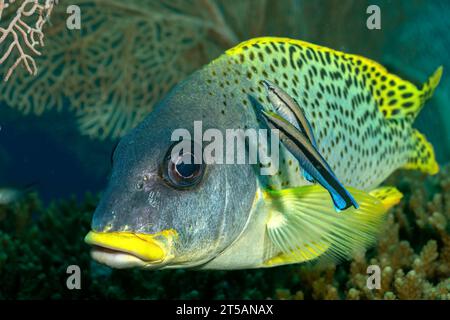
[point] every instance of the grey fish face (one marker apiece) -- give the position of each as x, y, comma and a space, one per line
193, 220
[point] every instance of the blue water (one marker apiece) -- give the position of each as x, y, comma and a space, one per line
48, 153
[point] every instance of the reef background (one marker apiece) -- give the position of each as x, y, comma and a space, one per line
38, 242
57, 132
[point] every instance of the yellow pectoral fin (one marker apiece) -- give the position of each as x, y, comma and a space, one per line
304, 219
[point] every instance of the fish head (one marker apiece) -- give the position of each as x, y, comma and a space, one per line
157, 211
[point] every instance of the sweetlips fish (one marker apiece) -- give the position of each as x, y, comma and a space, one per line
164, 212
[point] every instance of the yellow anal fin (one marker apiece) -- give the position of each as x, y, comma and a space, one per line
307, 253
305, 217
421, 156
389, 196
398, 98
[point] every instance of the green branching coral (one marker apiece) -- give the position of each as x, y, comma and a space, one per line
128, 54
21, 33
38, 242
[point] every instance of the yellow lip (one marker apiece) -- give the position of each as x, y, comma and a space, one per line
147, 247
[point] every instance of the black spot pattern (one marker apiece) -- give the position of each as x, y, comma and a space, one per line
346, 98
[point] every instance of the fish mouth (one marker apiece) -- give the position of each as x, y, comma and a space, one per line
127, 249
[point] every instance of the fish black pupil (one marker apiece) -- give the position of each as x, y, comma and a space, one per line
187, 170
183, 172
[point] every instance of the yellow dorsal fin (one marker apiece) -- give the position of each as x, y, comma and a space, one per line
421, 155
395, 97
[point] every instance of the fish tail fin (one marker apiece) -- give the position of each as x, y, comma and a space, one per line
398, 98
430, 86
421, 154
304, 225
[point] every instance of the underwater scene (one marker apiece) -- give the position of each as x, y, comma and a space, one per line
225, 149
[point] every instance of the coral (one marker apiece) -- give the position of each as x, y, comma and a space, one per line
24, 33
416, 268
124, 59
38, 242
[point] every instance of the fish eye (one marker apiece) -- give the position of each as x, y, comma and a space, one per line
181, 171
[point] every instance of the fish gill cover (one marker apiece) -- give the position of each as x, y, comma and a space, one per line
107, 76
